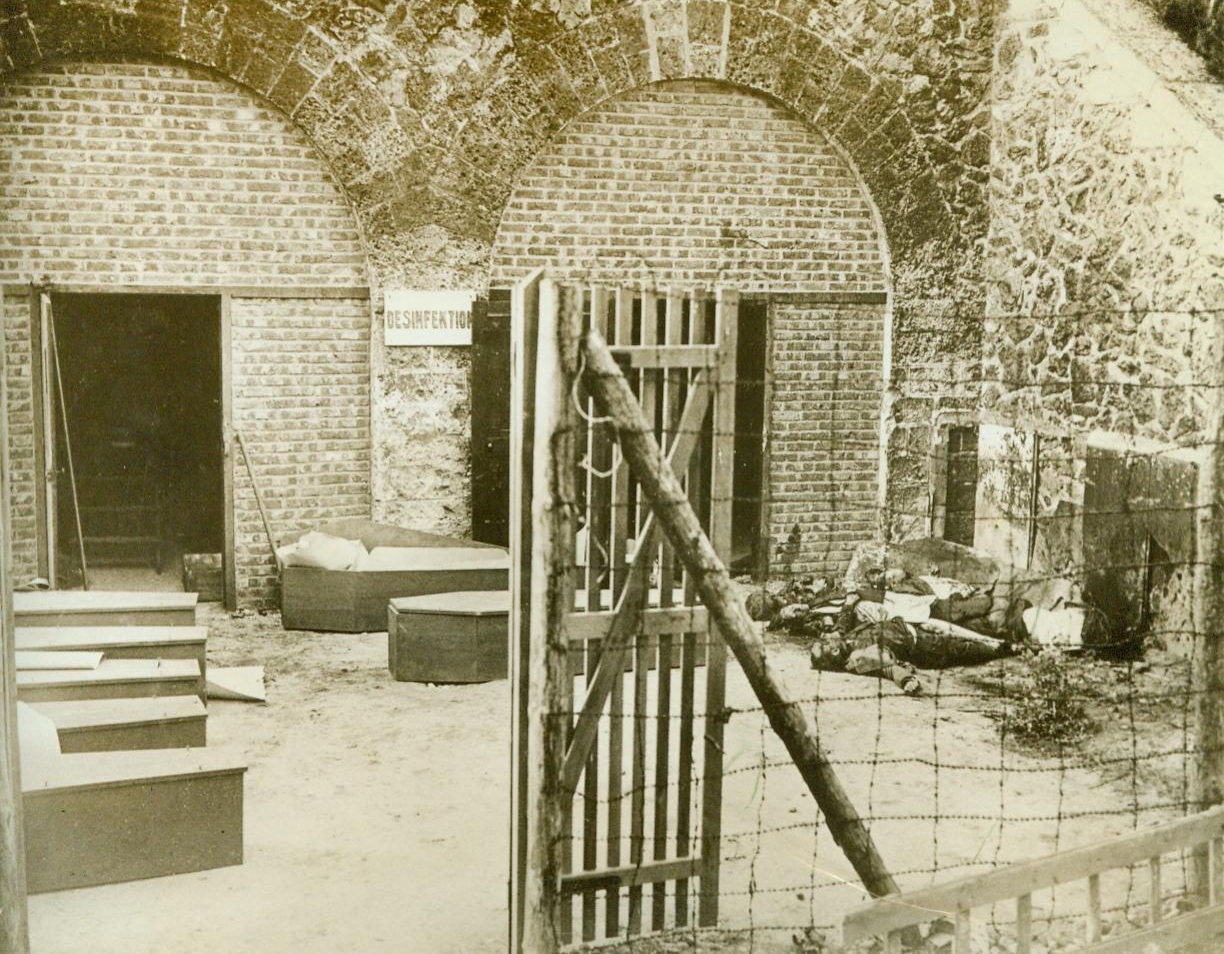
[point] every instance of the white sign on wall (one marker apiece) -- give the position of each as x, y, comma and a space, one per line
413, 316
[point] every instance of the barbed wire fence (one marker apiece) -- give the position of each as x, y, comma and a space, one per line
1030, 669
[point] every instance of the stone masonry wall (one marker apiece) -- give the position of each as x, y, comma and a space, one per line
1106, 265
429, 112
144, 175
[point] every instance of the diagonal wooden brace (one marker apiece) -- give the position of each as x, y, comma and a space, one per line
671, 508
619, 641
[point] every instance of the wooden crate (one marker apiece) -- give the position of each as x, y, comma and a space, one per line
204, 574
103, 817
449, 637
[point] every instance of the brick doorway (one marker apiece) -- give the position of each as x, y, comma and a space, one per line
139, 434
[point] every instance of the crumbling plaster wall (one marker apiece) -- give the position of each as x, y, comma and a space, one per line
428, 110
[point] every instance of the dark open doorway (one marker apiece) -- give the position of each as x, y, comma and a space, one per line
142, 407
749, 550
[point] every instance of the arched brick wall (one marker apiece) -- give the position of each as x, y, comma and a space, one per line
134, 175
429, 113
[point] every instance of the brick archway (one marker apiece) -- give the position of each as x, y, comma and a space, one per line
429, 115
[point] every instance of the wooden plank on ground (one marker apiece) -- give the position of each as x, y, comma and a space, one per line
915, 907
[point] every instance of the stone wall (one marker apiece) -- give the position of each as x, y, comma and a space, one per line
1106, 255
152, 175
428, 113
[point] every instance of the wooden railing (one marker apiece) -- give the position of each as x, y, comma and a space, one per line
892, 916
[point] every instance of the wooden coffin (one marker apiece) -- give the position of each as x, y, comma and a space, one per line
119, 642
103, 817
113, 679
355, 601
115, 725
103, 608
449, 637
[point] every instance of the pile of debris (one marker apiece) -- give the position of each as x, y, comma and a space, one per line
889, 623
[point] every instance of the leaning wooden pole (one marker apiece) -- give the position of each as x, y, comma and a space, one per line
676, 518
14, 932
551, 601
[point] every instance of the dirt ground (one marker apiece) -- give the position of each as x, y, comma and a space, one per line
377, 812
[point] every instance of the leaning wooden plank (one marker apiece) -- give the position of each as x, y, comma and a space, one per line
104, 817
113, 679
917, 907
119, 642
116, 725
35, 659
675, 516
103, 608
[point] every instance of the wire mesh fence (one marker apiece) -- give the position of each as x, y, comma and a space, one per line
1031, 668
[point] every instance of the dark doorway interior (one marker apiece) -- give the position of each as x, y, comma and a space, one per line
747, 546
960, 494
142, 397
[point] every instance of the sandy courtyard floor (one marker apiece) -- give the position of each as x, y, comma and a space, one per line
377, 812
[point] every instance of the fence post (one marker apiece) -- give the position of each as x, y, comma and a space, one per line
551, 600
14, 931
1207, 653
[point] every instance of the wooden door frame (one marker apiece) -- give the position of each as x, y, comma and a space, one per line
229, 558
14, 930
44, 516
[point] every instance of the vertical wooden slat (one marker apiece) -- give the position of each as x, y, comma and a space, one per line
662, 776
1024, 924
1094, 908
621, 333
620, 479
550, 688
50, 451
616, 718
637, 821
961, 932
523, 318
648, 395
14, 930
1155, 893
599, 459
671, 397
684, 769
726, 309
1213, 871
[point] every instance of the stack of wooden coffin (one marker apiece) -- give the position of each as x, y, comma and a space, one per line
117, 783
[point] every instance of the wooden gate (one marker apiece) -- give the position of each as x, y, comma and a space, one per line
618, 677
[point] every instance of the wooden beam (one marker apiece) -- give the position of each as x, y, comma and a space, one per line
583, 627
671, 507
521, 422
14, 929
552, 528
627, 876
668, 356
311, 292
